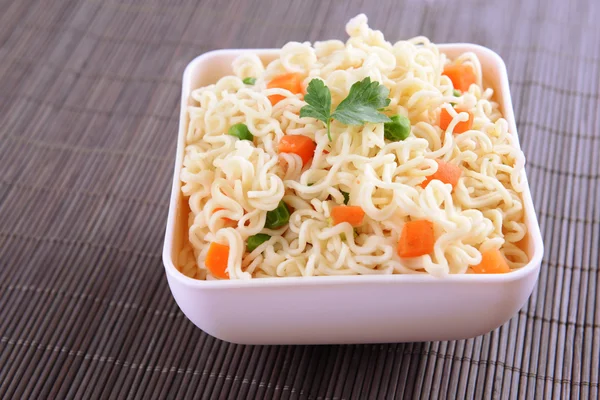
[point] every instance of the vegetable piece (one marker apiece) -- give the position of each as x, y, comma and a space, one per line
318, 99
398, 129
241, 131
216, 260
278, 217
455, 93
249, 81
346, 197
354, 215
492, 262
229, 220
298, 144
256, 240
447, 173
416, 239
343, 235
289, 208
291, 82
461, 127
461, 75
362, 104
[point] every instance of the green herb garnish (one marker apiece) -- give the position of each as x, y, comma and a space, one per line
278, 217
362, 104
249, 81
318, 99
397, 129
256, 240
240, 131
346, 197
343, 235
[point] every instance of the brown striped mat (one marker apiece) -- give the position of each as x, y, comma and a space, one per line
89, 93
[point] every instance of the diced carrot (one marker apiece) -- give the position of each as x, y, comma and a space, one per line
290, 208
462, 126
291, 82
228, 220
461, 75
298, 144
447, 173
492, 262
416, 239
216, 260
354, 215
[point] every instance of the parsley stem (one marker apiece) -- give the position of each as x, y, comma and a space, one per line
329, 129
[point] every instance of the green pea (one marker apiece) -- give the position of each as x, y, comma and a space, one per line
240, 131
397, 129
256, 240
455, 93
249, 81
278, 217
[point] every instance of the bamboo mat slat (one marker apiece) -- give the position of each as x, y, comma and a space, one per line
89, 93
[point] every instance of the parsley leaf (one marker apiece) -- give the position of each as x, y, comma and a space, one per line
362, 104
318, 98
346, 196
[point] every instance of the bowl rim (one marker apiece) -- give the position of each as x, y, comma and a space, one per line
533, 227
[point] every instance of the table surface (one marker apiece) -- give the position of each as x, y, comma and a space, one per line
89, 93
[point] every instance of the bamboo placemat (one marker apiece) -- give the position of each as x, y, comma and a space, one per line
89, 93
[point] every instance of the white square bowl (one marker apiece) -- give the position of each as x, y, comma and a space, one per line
346, 309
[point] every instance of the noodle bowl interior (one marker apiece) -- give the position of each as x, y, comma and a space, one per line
354, 158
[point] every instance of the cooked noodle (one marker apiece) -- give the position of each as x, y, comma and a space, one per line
227, 178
